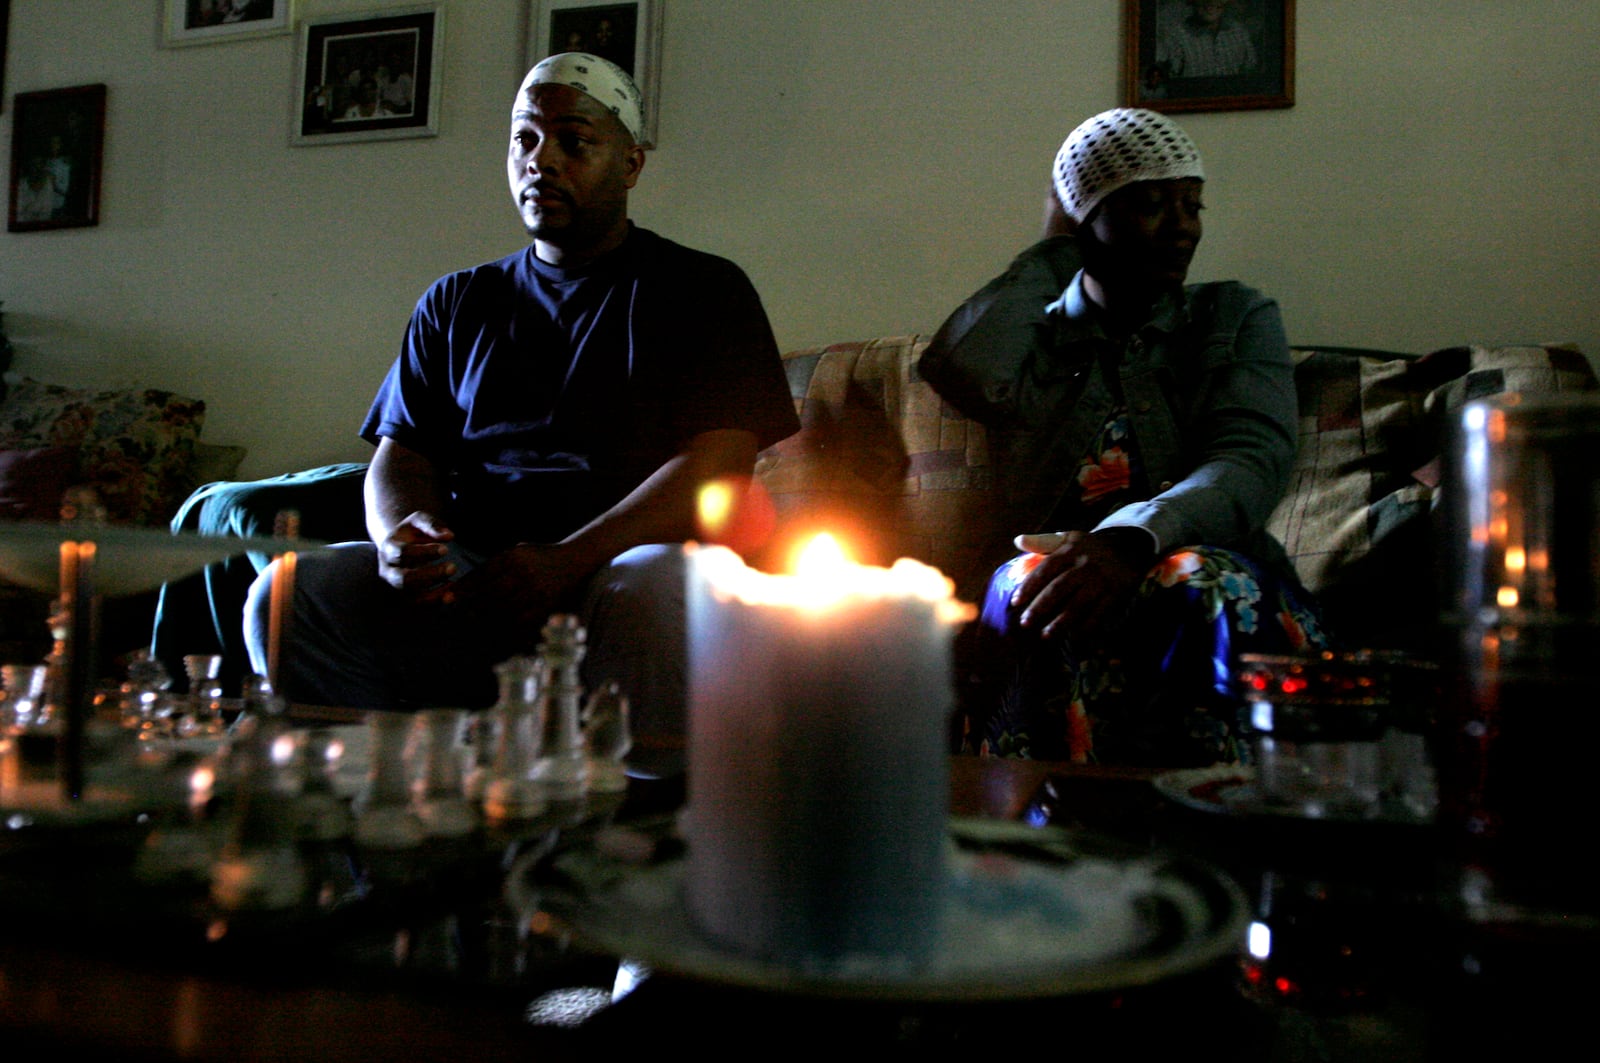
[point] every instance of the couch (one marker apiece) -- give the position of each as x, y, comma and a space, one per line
879, 451
129, 456
883, 461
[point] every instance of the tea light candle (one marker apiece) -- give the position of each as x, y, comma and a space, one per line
818, 761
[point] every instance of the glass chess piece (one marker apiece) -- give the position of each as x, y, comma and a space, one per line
319, 812
28, 749
186, 836
260, 865
142, 699
180, 848
478, 756
510, 792
27, 691
202, 710
440, 798
607, 739
56, 662
562, 769
257, 700
383, 812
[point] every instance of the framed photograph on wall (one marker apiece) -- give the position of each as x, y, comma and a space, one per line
376, 76
627, 33
1208, 55
213, 21
57, 144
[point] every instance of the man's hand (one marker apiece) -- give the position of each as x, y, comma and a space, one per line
412, 557
514, 592
509, 597
1083, 584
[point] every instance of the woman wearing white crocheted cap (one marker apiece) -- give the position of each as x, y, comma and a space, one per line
1142, 430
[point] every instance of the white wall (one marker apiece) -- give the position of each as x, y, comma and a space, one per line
869, 162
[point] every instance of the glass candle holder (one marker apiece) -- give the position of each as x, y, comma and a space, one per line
1520, 524
1317, 728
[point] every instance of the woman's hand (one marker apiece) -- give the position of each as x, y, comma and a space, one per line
1084, 583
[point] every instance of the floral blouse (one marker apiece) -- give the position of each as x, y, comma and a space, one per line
1107, 471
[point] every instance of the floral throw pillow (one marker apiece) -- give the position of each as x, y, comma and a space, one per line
135, 448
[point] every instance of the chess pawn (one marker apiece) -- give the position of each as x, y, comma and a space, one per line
261, 710
562, 769
608, 738
260, 865
259, 701
510, 792
479, 755
28, 705
440, 799
321, 815
204, 705
383, 813
143, 695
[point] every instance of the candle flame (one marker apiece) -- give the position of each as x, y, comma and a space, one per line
825, 577
824, 569
821, 558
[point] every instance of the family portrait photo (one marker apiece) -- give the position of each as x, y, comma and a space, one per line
215, 21
1209, 55
606, 30
369, 78
56, 144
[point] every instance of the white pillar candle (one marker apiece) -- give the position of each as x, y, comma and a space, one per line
818, 759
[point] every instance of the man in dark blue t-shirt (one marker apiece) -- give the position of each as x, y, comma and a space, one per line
551, 416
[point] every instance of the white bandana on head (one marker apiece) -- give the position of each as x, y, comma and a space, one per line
599, 79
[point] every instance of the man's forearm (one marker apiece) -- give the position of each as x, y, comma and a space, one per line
663, 507
399, 482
